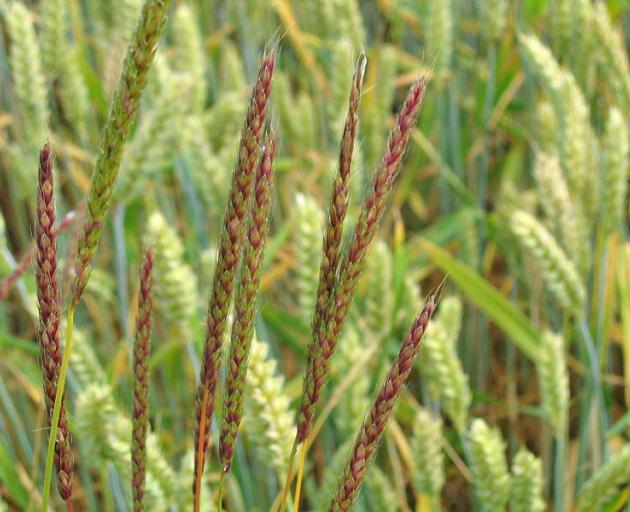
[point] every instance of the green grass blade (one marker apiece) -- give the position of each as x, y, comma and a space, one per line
488, 299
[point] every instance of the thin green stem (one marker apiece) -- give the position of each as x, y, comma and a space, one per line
596, 383
287, 483
559, 490
220, 492
54, 425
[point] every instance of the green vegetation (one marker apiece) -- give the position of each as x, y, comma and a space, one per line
225, 226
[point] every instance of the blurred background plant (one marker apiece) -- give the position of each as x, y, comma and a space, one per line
515, 187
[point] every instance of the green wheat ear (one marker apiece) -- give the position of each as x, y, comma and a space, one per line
26, 71
378, 298
175, 284
604, 484
527, 483
309, 222
491, 477
613, 60
189, 54
351, 409
155, 141
440, 362
426, 445
553, 381
614, 172
439, 33
572, 112
493, 19
559, 272
269, 420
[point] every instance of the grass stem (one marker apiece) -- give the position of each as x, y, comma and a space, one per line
559, 490
300, 476
220, 492
287, 483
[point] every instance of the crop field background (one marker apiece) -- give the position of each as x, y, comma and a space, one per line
501, 195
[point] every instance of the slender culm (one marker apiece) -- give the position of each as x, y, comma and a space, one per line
49, 332
228, 260
245, 303
141, 354
122, 114
327, 331
371, 432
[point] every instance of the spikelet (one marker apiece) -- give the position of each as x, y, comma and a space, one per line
351, 409
439, 34
553, 196
426, 448
612, 56
268, 419
344, 18
493, 18
378, 298
546, 127
28, 80
553, 380
582, 57
83, 361
105, 436
603, 485
559, 272
52, 35
571, 110
371, 433
73, 92
490, 472
228, 259
140, 395
189, 55
439, 360
122, 113
175, 285
248, 287
614, 173
309, 222
527, 483
60, 61
561, 14
154, 141
340, 294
